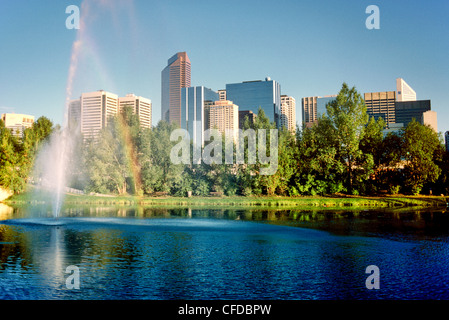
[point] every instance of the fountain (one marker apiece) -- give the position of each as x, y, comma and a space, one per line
52, 165
54, 158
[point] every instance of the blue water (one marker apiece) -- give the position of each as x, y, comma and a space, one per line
198, 257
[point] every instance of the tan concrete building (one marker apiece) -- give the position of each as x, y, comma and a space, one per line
314, 107
288, 113
309, 111
223, 115
430, 118
222, 94
17, 122
381, 104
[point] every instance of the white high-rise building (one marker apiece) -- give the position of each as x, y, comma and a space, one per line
93, 110
96, 109
140, 106
17, 122
288, 113
403, 91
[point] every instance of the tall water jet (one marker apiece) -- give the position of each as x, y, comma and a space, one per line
52, 166
54, 157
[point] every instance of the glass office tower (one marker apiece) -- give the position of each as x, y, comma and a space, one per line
446, 137
175, 76
194, 102
251, 95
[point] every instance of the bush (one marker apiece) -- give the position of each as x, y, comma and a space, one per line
394, 189
416, 190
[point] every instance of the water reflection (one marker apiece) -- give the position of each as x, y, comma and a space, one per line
6, 212
160, 253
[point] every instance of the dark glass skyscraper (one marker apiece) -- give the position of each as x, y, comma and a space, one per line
176, 75
446, 137
407, 110
251, 95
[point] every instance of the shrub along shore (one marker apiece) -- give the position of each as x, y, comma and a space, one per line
306, 202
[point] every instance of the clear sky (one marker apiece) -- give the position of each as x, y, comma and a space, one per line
309, 47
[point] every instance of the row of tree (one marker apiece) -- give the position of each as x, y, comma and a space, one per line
345, 151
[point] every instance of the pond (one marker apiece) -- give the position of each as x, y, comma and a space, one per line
148, 253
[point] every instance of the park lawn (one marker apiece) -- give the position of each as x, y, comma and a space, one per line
239, 201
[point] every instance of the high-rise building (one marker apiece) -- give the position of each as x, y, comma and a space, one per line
309, 111
314, 107
140, 106
93, 110
384, 104
446, 136
407, 110
96, 110
288, 113
252, 95
381, 104
429, 118
17, 122
194, 101
74, 113
222, 94
403, 91
175, 76
246, 114
224, 115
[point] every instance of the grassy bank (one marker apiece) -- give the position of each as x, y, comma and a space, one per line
337, 201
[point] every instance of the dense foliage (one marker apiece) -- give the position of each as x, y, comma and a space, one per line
17, 154
344, 152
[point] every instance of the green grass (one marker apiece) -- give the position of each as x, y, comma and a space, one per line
335, 201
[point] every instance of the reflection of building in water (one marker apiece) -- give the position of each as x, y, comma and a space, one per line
5, 194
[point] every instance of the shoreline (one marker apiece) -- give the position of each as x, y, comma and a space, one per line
278, 202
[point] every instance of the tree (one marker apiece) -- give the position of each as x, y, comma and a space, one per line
319, 170
388, 176
373, 137
422, 148
107, 161
10, 175
251, 181
158, 172
348, 118
42, 129
369, 164
17, 155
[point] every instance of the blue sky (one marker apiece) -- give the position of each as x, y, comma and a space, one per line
309, 47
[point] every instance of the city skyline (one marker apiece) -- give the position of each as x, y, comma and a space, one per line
126, 45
